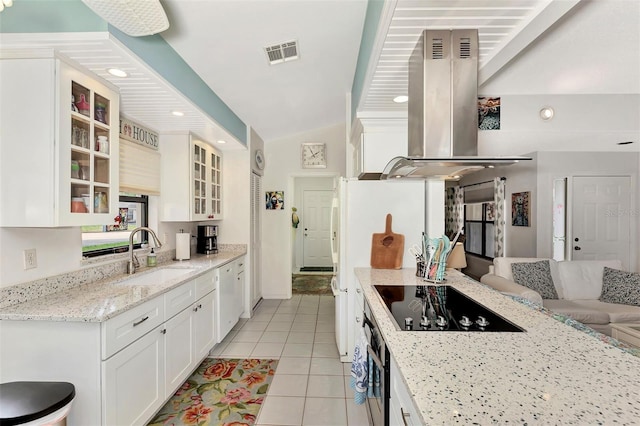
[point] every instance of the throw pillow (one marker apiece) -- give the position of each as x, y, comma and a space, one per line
620, 287
536, 276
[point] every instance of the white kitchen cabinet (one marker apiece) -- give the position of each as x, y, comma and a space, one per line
376, 142
54, 172
204, 325
227, 310
134, 381
191, 179
124, 369
179, 349
401, 408
240, 285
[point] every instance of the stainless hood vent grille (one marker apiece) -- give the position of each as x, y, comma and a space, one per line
443, 111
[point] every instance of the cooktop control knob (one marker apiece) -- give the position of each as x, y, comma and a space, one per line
465, 321
482, 322
441, 322
408, 323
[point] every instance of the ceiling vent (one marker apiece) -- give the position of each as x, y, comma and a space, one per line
283, 52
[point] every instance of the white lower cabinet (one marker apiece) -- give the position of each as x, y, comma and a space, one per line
204, 325
227, 312
240, 285
134, 381
401, 409
179, 349
123, 369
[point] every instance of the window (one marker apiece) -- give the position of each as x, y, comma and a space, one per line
98, 240
478, 227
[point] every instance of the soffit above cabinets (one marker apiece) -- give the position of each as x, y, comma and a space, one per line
145, 96
505, 28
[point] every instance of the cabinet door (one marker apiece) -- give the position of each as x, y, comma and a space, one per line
402, 411
199, 195
204, 325
179, 349
240, 292
227, 311
134, 381
89, 147
215, 184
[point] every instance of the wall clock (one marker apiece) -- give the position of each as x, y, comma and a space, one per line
259, 159
313, 155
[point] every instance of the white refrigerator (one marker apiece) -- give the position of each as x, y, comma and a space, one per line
359, 210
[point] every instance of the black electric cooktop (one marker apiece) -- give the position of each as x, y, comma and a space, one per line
440, 308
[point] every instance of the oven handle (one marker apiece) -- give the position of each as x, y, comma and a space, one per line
375, 359
367, 321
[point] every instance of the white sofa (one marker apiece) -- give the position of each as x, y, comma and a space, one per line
578, 284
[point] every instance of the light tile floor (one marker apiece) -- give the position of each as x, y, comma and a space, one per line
311, 385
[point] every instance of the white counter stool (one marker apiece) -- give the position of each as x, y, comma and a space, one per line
35, 403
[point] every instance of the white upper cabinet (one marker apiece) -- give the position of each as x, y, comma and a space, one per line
191, 179
59, 144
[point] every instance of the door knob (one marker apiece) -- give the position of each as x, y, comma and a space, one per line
577, 248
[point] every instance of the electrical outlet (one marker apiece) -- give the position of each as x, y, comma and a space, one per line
30, 259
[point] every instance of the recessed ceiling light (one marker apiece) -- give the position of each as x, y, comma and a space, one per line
401, 99
177, 113
117, 72
221, 141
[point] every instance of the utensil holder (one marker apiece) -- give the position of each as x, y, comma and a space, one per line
431, 277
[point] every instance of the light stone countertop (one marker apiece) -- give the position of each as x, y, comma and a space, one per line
552, 374
101, 300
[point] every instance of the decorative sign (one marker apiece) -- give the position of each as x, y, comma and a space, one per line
134, 132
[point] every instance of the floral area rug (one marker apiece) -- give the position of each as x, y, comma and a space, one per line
225, 392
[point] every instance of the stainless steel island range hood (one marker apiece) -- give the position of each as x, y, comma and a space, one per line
443, 110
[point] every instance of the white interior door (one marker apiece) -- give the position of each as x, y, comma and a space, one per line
601, 208
316, 221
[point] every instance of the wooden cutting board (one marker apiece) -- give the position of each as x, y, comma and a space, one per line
387, 249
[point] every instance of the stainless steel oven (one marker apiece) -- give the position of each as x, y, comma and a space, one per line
378, 396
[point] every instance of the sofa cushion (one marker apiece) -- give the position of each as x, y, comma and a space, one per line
620, 287
582, 279
502, 268
581, 313
536, 276
616, 311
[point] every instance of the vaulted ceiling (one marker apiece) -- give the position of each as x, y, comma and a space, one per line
591, 46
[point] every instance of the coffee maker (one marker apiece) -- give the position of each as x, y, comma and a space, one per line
207, 239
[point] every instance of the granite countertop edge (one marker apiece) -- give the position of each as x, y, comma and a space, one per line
104, 299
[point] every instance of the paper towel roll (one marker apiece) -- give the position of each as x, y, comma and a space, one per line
183, 246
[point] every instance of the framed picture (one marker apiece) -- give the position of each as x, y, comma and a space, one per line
274, 200
488, 113
521, 208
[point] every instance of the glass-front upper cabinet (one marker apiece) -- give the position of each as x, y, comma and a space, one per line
215, 183
60, 127
206, 182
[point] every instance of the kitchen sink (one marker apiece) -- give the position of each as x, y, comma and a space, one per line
157, 277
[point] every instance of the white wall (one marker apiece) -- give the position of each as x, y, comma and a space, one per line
282, 166
235, 225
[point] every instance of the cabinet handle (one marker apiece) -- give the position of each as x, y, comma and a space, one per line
141, 321
163, 331
358, 290
242, 264
195, 309
404, 416
357, 319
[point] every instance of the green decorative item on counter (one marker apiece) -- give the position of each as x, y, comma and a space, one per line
152, 260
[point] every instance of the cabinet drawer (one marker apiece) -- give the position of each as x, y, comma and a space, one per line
205, 284
179, 299
120, 331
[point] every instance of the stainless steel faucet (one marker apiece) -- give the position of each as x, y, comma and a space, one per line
133, 260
